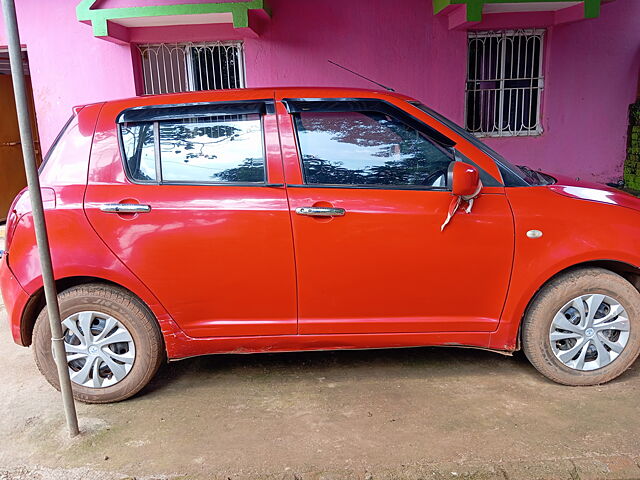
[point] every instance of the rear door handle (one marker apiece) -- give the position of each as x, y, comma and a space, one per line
125, 208
320, 211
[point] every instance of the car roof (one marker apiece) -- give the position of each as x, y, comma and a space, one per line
256, 94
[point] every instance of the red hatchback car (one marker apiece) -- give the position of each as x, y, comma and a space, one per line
265, 220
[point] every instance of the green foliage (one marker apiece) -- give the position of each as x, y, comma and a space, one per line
632, 162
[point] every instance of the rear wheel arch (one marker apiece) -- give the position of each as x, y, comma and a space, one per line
116, 342
37, 302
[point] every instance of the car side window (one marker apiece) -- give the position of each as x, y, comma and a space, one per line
203, 149
222, 148
368, 148
138, 149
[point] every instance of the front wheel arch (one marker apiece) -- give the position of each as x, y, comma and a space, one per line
536, 326
626, 270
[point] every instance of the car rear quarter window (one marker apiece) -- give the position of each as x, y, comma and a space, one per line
217, 149
67, 161
368, 148
139, 151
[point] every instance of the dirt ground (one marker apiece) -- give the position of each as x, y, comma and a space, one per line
430, 413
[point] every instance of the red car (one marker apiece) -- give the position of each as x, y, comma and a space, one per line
266, 220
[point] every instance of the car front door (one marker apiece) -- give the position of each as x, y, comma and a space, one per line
192, 213
377, 261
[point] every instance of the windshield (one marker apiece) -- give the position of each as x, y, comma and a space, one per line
512, 175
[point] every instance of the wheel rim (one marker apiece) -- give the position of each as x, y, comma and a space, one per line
100, 349
589, 332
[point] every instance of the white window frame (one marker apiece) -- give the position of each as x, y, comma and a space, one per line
176, 73
499, 128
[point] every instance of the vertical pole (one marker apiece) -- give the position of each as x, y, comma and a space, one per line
33, 182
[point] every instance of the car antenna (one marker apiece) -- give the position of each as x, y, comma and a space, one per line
361, 76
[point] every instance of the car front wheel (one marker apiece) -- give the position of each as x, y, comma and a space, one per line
113, 344
583, 327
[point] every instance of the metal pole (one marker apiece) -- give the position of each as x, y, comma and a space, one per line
33, 182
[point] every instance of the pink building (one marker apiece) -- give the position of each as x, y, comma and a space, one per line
546, 83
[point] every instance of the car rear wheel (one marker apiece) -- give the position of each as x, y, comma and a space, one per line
583, 327
114, 345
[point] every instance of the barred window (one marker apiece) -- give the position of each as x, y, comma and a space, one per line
504, 83
185, 67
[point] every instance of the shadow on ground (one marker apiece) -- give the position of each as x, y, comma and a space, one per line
359, 365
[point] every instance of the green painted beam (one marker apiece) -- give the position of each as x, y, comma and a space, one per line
100, 16
591, 8
474, 7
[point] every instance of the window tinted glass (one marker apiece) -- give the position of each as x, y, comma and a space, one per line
137, 142
368, 148
226, 148
507, 169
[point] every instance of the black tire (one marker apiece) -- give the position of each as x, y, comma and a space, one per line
128, 310
557, 293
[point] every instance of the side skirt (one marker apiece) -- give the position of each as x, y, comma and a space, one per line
180, 346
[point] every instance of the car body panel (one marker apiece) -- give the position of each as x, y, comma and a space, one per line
386, 266
81, 253
374, 269
574, 231
14, 297
76, 249
218, 257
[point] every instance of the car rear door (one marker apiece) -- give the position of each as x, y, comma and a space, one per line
199, 214
380, 263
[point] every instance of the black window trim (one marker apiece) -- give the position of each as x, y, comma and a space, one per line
349, 186
180, 111
227, 108
300, 105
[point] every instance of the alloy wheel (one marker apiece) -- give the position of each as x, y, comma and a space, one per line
100, 349
589, 332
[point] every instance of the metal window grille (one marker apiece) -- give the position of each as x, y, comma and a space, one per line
184, 67
504, 83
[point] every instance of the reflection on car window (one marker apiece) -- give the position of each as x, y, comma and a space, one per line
513, 175
137, 142
225, 148
368, 148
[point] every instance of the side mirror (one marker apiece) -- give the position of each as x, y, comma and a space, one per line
464, 180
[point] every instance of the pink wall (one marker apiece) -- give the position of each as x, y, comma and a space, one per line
592, 73
592, 67
399, 44
68, 65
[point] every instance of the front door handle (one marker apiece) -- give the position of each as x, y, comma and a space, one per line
125, 208
320, 211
